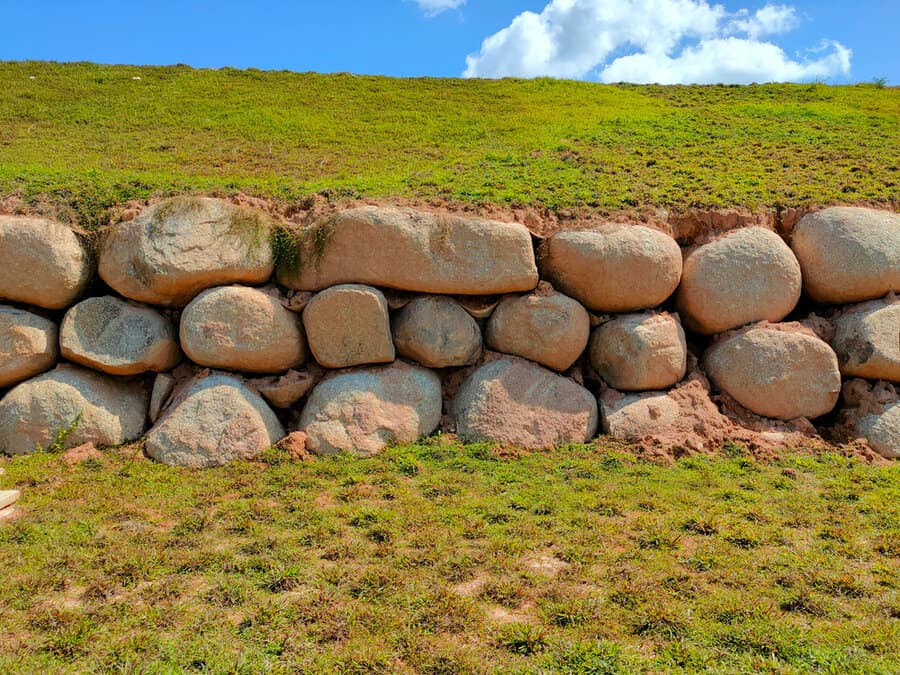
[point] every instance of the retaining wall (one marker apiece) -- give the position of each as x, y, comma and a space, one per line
212, 333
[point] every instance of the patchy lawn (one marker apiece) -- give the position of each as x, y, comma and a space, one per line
438, 558
83, 137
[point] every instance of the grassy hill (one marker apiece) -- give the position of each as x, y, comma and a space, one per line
87, 136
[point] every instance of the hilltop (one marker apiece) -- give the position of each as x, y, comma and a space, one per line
83, 137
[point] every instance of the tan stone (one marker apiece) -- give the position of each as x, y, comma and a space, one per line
163, 386
614, 268
366, 410
848, 254
882, 431
118, 337
28, 345
414, 251
515, 402
640, 352
181, 246
436, 332
744, 276
776, 370
283, 391
349, 325
545, 326
212, 421
867, 340
241, 328
42, 262
90, 406
630, 417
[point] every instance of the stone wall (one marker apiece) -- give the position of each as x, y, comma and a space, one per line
212, 335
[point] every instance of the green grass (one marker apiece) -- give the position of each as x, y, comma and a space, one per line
82, 137
437, 558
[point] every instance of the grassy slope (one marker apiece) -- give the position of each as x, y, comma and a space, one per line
440, 559
90, 135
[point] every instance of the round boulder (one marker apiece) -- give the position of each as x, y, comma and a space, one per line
181, 246
71, 405
782, 371
615, 268
42, 262
241, 328
640, 352
211, 422
631, 417
848, 254
545, 326
744, 276
366, 410
436, 332
867, 340
519, 403
118, 337
882, 430
28, 345
349, 325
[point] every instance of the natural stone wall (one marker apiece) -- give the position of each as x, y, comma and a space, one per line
210, 331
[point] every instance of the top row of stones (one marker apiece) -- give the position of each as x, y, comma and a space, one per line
179, 247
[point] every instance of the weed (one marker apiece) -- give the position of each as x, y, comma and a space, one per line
62, 434
522, 638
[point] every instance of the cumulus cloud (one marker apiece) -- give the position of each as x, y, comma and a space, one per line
435, 7
665, 41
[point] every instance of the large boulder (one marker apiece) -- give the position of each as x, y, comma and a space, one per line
519, 403
871, 412
118, 337
640, 352
349, 325
28, 345
436, 332
241, 328
545, 326
867, 340
614, 268
72, 406
882, 431
413, 251
776, 370
181, 246
848, 254
744, 276
365, 410
42, 262
212, 421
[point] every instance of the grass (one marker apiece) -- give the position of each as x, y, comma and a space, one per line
437, 558
82, 137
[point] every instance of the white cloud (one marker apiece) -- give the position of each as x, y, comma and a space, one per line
665, 41
435, 7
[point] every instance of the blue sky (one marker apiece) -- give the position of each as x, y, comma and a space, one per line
604, 40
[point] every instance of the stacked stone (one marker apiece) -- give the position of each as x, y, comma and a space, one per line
383, 313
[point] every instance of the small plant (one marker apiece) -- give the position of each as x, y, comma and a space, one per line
59, 441
879, 82
522, 638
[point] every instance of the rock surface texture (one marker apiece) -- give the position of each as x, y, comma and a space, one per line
614, 268
882, 430
42, 262
519, 403
414, 251
181, 246
349, 325
776, 370
640, 352
118, 337
211, 422
364, 411
28, 345
867, 340
745, 276
93, 407
848, 254
243, 329
545, 326
436, 332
